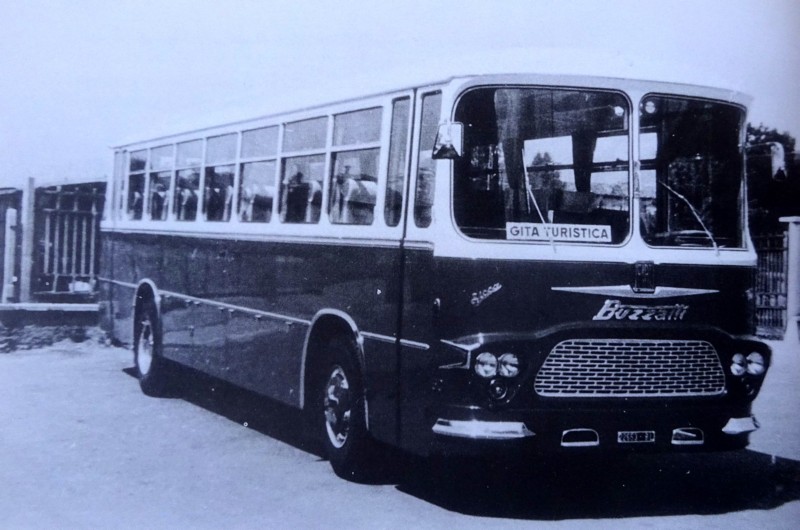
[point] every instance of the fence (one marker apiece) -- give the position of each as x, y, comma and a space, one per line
771, 285
57, 260
66, 230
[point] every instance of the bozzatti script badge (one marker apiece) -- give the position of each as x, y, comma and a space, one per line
479, 296
615, 310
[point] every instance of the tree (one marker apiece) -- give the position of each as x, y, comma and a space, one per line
768, 198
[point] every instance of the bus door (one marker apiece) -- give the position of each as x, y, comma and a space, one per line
419, 282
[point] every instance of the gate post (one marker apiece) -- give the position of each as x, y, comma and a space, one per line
793, 280
26, 259
10, 256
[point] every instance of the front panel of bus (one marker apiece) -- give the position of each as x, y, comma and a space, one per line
589, 284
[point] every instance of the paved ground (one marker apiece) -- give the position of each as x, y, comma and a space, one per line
81, 447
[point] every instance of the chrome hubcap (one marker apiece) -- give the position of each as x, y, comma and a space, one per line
144, 351
337, 407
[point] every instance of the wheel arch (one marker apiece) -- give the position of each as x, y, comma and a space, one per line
146, 289
325, 325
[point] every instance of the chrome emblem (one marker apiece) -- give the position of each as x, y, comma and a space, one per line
615, 310
644, 277
479, 297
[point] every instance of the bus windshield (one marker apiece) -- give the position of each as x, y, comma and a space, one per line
690, 182
543, 164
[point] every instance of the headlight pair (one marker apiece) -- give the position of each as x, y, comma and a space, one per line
753, 364
488, 365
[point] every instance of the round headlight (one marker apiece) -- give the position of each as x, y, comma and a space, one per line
755, 364
509, 365
486, 365
738, 365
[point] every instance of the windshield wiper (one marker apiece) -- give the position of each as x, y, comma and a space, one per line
695, 213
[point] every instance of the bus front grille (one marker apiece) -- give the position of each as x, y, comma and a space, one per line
637, 368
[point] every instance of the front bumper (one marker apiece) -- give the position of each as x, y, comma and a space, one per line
617, 428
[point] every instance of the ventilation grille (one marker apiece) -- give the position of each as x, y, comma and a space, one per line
617, 367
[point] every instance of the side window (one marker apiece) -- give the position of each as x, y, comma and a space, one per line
301, 188
220, 168
116, 207
305, 134
398, 150
161, 162
426, 172
302, 176
354, 170
136, 172
353, 186
257, 177
256, 193
188, 161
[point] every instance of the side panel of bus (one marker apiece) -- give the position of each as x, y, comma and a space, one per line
241, 310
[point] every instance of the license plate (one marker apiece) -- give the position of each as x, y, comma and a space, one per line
636, 437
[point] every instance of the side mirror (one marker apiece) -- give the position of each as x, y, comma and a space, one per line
449, 142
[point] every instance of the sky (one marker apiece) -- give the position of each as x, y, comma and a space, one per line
80, 76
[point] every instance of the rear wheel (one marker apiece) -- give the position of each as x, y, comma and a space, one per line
342, 415
154, 372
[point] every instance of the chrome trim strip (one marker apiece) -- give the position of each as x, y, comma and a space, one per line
392, 340
41, 307
201, 233
221, 305
418, 245
378, 337
482, 430
276, 316
626, 291
414, 344
116, 282
466, 347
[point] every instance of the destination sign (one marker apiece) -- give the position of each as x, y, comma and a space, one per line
558, 232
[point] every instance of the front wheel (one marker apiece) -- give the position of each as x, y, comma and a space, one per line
153, 371
342, 411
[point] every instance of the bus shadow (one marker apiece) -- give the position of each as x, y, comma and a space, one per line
641, 485
268, 417
522, 488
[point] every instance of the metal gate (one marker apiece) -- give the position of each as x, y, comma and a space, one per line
67, 233
771, 286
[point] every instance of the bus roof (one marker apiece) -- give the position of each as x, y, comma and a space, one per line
558, 67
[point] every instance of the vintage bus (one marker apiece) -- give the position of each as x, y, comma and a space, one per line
553, 263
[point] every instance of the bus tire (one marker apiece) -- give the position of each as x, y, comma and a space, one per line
153, 371
341, 414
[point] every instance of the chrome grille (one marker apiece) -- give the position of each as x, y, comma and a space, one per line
623, 367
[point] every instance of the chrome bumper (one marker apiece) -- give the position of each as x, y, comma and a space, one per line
741, 425
482, 430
